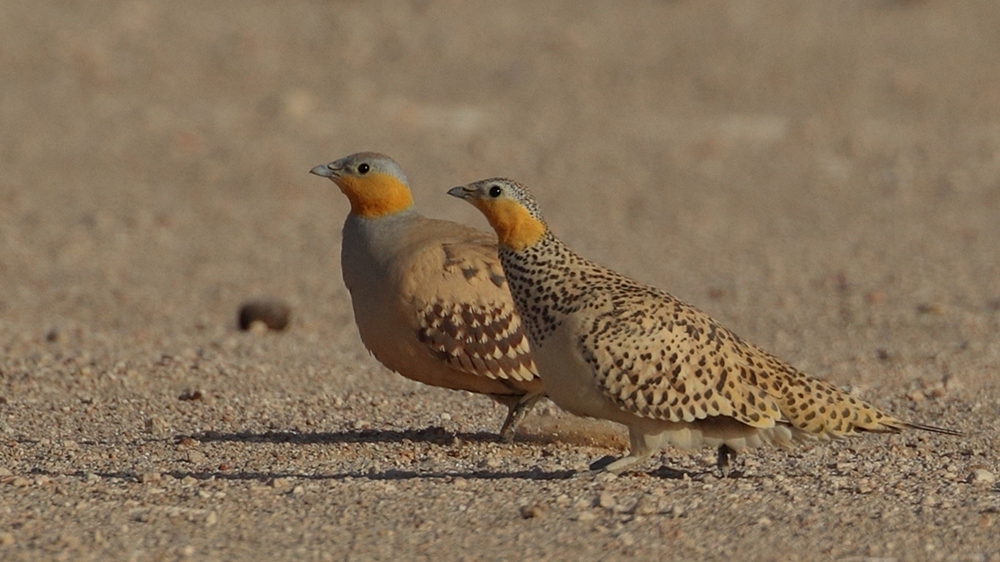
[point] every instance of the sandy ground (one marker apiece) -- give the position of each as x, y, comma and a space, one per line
822, 177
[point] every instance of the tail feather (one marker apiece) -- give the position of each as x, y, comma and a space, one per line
818, 407
893, 425
933, 429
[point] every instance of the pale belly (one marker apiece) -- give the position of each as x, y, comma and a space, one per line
570, 382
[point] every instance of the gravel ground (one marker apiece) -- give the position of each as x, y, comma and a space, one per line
822, 177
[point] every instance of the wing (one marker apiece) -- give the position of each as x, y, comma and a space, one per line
660, 358
465, 314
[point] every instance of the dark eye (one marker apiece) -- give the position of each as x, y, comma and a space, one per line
495, 191
363, 169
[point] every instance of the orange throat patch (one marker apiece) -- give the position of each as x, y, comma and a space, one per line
516, 228
375, 195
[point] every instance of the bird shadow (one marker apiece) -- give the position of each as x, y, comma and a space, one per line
433, 434
388, 475
534, 474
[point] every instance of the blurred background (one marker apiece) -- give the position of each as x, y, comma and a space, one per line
822, 176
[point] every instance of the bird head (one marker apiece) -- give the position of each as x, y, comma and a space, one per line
373, 183
509, 207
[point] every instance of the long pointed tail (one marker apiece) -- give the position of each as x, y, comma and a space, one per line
933, 429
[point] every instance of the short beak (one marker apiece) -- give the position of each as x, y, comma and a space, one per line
462, 192
323, 170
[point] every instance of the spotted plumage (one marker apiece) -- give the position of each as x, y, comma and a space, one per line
610, 347
430, 298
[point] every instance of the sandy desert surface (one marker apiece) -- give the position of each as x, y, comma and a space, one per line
821, 177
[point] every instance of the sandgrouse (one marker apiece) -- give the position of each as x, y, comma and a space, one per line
609, 347
430, 299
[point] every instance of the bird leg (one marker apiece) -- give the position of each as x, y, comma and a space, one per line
643, 445
726, 454
517, 408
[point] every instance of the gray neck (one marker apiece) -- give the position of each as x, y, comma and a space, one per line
366, 238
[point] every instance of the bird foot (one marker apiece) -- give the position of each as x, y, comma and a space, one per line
724, 461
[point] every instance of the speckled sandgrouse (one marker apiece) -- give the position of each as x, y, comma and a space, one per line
609, 347
430, 299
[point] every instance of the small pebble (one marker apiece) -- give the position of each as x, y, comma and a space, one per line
605, 477
6, 539
532, 511
606, 500
155, 424
982, 477
586, 516
211, 519
933, 308
150, 477
281, 483
191, 395
298, 490
4, 471
645, 506
272, 313
195, 457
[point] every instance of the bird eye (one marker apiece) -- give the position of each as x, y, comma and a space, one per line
363, 169
495, 191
